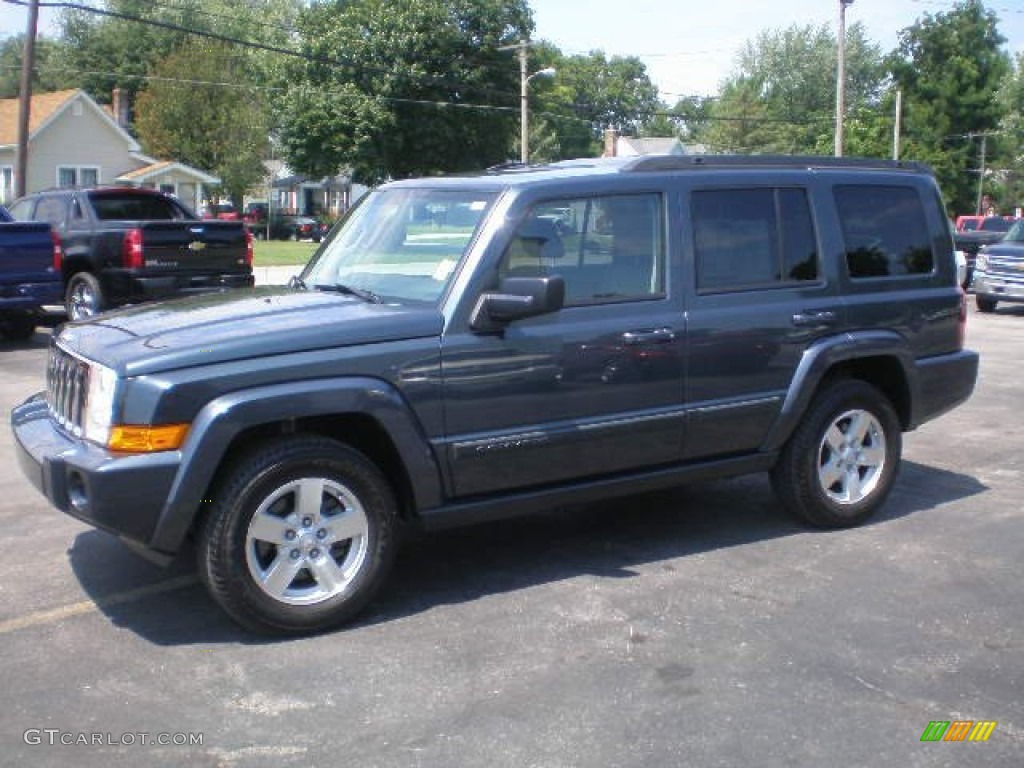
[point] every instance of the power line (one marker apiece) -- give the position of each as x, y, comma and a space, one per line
330, 61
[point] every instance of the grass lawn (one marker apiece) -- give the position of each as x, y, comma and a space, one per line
281, 253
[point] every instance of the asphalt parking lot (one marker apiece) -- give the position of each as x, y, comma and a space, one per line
698, 627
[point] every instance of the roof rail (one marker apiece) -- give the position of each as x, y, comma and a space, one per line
693, 162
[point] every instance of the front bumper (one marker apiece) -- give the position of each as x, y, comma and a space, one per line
997, 286
120, 493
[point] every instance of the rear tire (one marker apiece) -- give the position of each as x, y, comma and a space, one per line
84, 296
985, 304
840, 464
18, 328
300, 536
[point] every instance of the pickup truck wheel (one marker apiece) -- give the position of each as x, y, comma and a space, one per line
18, 328
985, 304
841, 462
300, 536
84, 296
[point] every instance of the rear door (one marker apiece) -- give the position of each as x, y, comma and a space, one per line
759, 294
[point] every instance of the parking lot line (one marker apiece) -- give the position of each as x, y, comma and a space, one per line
53, 615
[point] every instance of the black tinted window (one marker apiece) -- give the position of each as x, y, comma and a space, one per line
884, 230
130, 207
752, 237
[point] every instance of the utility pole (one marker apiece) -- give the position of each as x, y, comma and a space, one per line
897, 126
28, 62
524, 106
981, 173
841, 77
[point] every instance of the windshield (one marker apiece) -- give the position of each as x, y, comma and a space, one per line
1016, 233
401, 244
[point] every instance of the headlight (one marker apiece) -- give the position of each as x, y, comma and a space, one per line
99, 404
981, 262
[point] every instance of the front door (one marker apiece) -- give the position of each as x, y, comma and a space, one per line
591, 390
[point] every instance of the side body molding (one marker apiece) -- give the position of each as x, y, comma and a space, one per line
222, 419
819, 358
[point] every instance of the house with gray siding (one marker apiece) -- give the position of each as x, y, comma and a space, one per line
73, 141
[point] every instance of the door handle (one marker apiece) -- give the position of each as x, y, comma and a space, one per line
655, 336
815, 319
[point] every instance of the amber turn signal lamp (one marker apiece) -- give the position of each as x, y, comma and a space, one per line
144, 438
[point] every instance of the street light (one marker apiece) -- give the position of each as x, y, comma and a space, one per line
841, 77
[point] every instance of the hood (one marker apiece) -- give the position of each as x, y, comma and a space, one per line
1006, 248
260, 322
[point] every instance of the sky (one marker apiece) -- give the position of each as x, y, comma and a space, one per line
688, 46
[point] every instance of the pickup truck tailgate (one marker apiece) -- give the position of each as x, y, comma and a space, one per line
200, 246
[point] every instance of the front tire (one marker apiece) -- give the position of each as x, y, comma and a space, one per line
841, 462
84, 296
985, 304
300, 536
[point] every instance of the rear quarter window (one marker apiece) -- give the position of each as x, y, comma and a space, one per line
885, 231
130, 207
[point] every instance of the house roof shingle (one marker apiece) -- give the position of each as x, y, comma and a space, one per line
44, 106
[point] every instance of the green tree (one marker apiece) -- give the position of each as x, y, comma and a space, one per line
1007, 181
392, 87
44, 77
205, 110
781, 96
589, 94
950, 67
690, 117
119, 48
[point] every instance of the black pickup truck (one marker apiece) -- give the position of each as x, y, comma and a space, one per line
30, 267
125, 245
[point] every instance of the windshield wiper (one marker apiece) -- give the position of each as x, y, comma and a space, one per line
348, 290
297, 282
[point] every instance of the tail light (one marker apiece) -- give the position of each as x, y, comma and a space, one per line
131, 249
248, 247
961, 329
58, 252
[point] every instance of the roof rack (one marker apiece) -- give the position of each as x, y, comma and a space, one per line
691, 162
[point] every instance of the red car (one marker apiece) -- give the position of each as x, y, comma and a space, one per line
222, 211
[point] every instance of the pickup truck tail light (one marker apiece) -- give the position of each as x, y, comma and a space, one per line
58, 252
131, 249
248, 247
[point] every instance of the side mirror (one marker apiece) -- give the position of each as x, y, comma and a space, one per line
516, 299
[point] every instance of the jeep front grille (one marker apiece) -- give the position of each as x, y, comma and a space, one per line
67, 388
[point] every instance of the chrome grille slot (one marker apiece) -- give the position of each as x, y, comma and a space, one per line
67, 388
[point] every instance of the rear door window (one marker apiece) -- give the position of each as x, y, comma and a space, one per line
885, 231
753, 238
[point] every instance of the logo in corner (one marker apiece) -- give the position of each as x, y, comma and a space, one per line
959, 730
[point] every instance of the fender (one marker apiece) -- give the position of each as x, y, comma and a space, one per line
821, 357
222, 419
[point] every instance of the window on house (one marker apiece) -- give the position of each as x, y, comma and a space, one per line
77, 176
6, 184
749, 238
